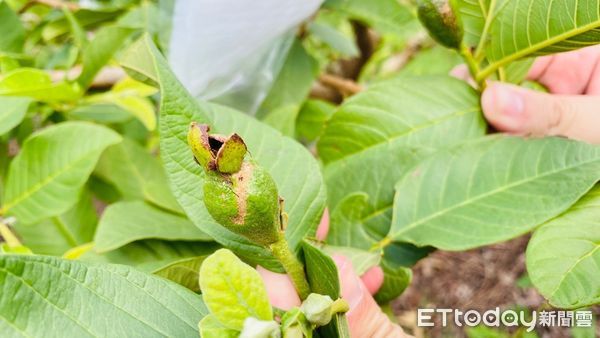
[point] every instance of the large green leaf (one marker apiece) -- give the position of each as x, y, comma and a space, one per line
491, 190
45, 178
294, 169
178, 261
57, 235
72, 299
137, 174
376, 136
12, 33
533, 27
12, 112
38, 85
126, 222
563, 257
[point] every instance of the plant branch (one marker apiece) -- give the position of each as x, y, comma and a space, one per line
292, 265
343, 85
473, 66
8, 236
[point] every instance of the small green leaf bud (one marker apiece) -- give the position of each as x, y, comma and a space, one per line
255, 328
439, 17
317, 309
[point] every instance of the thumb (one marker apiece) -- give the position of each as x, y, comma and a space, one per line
525, 112
365, 318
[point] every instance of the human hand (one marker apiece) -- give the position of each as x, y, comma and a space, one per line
571, 109
365, 318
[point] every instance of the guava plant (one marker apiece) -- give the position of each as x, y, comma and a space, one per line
405, 166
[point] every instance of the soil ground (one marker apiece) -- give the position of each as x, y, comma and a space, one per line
479, 279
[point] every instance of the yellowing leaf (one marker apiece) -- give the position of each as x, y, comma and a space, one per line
232, 290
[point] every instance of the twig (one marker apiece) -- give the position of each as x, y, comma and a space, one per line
107, 76
344, 86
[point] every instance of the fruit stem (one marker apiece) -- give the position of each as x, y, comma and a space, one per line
473, 66
292, 265
8, 236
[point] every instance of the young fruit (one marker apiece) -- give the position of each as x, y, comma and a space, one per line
441, 21
238, 193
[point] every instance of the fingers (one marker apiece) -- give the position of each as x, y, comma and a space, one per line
520, 111
280, 289
566, 73
373, 279
365, 318
323, 228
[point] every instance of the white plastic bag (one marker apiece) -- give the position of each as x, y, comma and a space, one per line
231, 51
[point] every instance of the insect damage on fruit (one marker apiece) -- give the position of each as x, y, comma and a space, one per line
239, 194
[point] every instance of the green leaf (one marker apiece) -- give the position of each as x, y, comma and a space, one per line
57, 235
232, 290
379, 134
175, 260
311, 119
285, 159
45, 178
473, 14
12, 33
434, 61
491, 190
137, 174
37, 84
12, 112
563, 256
210, 327
107, 41
385, 16
396, 279
542, 27
282, 104
91, 300
323, 278
126, 222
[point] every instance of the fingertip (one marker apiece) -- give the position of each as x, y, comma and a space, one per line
373, 279
539, 67
460, 72
280, 289
503, 106
323, 228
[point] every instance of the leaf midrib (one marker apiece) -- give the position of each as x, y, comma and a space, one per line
35, 188
482, 196
492, 67
572, 267
410, 131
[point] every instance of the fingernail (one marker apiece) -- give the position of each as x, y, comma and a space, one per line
504, 105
